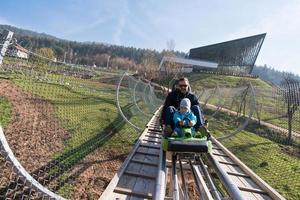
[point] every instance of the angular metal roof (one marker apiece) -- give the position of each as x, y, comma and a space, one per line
240, 53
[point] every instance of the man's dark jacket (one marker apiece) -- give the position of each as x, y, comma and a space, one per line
174, 98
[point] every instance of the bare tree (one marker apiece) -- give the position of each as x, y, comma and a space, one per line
171, 45
171, 68
149, 65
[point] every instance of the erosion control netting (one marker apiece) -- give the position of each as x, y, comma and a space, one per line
66, 129
141, 96
279, 107
263, 142
237, 103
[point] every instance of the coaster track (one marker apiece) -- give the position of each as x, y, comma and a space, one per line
144, 174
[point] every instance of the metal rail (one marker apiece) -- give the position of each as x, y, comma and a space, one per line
248, 183
21, 171
200, 182
161, 176
135, 100
151, 182
184, 187
175, 177
213, 189
119, 106
232, 189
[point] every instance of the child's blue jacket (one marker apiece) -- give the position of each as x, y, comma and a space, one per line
189, 115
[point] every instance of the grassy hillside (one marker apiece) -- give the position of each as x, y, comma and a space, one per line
269, 107
199, 81
86, 109
276, 163
5, 111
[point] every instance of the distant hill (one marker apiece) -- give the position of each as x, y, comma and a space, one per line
22, 32
89, 53
81, 52
272, 75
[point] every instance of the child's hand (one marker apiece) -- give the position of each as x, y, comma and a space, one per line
181, 123
191, 124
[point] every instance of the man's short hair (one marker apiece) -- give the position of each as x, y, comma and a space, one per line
184, 79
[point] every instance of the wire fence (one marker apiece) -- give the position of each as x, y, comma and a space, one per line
278, 110
237, 103
70, 131
269, 144
65, 129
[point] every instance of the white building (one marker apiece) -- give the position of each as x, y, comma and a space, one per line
184, 69
20, 52
191, 63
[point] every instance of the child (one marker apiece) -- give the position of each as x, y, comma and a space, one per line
184, 120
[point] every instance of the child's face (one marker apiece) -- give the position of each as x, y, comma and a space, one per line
183, 110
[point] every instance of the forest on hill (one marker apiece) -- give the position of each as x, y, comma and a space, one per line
85, 53
90, 53
272, 75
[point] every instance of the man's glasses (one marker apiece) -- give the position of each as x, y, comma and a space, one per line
183, 85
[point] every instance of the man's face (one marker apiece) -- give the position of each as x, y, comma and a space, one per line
183, 86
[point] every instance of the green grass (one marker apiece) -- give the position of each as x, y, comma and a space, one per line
78, 107
87, 110
5, 112
84, 108
264, 156
80, 104
199, 81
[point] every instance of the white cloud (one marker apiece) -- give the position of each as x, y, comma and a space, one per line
124, 11
4, 21
82, 28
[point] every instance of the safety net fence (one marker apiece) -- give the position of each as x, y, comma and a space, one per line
65, 129
259, 123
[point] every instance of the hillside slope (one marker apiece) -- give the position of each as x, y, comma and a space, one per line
200, 81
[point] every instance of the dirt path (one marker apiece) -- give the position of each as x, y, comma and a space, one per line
269, 125
95, 173
33, 133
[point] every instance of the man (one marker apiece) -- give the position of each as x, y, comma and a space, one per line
172, 104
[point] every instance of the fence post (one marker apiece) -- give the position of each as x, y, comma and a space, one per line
6, 42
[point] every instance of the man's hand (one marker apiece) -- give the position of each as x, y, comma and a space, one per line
161, 122
191, 124
181, 123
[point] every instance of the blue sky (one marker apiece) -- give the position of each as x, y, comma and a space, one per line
151, 23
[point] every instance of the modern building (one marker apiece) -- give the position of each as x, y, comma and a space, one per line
237, 56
